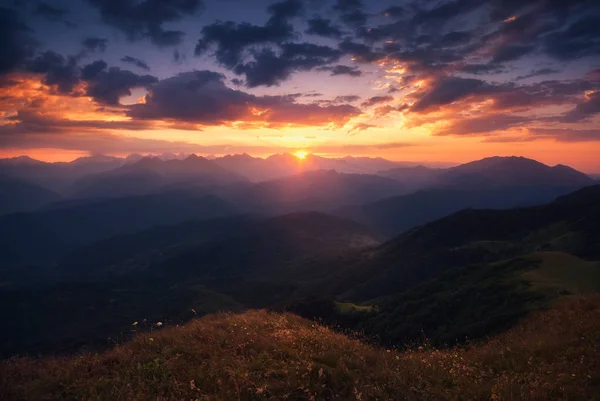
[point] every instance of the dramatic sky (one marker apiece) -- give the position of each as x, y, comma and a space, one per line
407, 80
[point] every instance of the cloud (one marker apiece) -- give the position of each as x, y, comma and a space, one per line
584, 110
348, 5
30, 121
269, 68
395, 12
342, 70
361, 127
58, 71
383, 111
16, 43
346, 99
323, 27
107, 86
481, 69
565, 135
445, 91
93, 44
537, 73
202, 97
580, 39
50, 12
232, 39
481, 125
377, 100
360, 51
351, 11
511, 52
137, 62
145, 18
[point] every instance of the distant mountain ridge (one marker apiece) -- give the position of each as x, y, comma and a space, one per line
491, 172
151, 174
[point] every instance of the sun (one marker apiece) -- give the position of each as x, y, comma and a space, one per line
301, 154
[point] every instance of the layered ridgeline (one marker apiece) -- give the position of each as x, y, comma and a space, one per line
465, 276
285, 183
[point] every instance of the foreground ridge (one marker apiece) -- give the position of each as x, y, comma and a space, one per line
263, 355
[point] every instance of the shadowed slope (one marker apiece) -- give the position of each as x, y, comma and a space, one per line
259, 356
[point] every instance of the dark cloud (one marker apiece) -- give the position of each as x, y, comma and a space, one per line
580, 39
511, 52
90, 71
16, 42
268, 68
584, 110
355, 18
61, 72
93, 44
395, 11
285, 10
481, 69
360, 51
348, 5
342, 70
352, 13
445, 12
323, 27
50, 12
145, 19
231, 39
137, 62
377, 100
539, 72
107, 86
445, 91
202, 97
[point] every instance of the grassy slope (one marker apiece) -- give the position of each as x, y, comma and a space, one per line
259, 355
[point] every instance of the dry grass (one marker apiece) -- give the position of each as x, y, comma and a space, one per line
266, 356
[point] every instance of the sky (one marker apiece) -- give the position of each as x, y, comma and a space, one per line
445, 81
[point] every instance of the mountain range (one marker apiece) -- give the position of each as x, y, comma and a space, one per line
390, 252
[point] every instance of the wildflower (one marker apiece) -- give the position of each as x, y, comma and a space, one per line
151, 339
159, 324
135, 323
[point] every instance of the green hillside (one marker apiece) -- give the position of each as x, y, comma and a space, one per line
480, 300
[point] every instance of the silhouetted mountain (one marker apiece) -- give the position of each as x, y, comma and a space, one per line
44, 237
514, 171
21, 196
495, 182
393, 216
286, 164
152, 174
168, 271
318, 190
233, 263
570, 224
492, 172
415, 178
133, 253
57, 176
